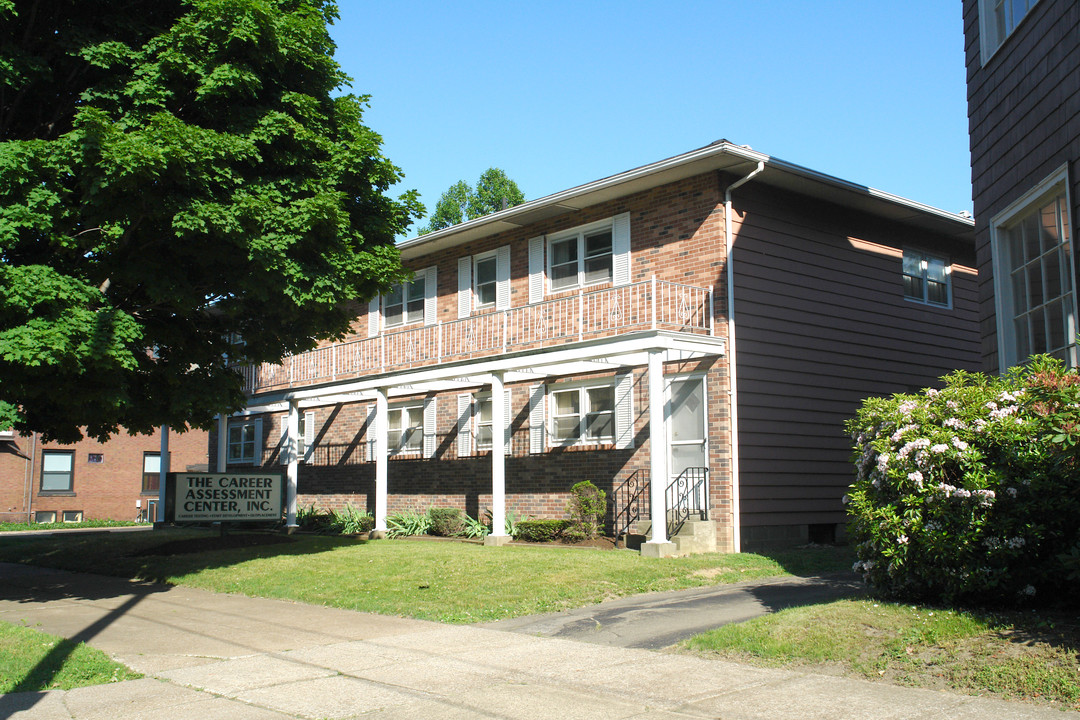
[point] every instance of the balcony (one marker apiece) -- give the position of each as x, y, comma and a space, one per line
652, 304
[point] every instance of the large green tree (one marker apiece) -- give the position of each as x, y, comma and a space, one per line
175, 174
494, 191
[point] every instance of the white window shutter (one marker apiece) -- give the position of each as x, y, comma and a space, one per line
502, 278
374, 316
464, 286
284, 439
309, 434
370, 432
536, 419
620, 250
464, 425
536, 269
508, 437
624, 412
431, 296
430, 421
258, 442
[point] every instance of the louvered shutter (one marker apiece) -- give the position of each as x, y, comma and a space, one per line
464, 425
374, 314
620, 250
431, 296
536, 419
464, 286
370, 432
502, 278
430, 420
624, 412
309, 435
506, 417
536, 269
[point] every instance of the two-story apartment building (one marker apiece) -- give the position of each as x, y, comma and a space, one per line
1023, 79
708, 321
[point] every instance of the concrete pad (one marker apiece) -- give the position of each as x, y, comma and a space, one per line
332, 697
447, 639
497, 540
822, 697
232, 676
34, 705
975, 708
544, 658
133, 699
353, 657
530, 701
658, 550
440, 676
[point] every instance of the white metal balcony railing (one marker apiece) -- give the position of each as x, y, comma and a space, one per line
651, 304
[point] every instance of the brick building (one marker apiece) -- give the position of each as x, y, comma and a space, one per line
743, 304
1023, 80
89, 480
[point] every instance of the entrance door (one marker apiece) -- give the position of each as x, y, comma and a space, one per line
688, 445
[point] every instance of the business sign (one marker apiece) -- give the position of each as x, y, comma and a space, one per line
220, 497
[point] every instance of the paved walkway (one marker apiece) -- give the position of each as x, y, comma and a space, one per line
209, 656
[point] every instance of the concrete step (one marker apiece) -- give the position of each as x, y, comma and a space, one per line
695, 536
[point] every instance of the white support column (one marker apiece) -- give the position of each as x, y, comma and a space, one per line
292, 472
222, 441
658, 545
382, 432
163, 471
498, 534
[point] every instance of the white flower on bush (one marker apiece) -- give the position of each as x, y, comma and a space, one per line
1029, 590
1011, 492
1015, 543
903, 539
991, 405
932, 392
917, 478
992, 542
1003, 412
956, 423
882, 462
959, 444
961, 493
907, 406
896, 436
846, 499
946, 489
952, 404
939, 448
918, 444
985, 497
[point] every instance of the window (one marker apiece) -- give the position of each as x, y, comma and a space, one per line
305, 435
482, 418
406, 425
584, 258
56, 471
45, 516
151, 472
926, 278
244, 440
584, 414
1034, 276
485, 281
998, 20
405, 303
72, 516
95, 458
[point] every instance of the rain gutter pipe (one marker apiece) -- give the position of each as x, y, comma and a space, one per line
733, 392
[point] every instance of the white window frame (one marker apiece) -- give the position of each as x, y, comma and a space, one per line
1055, 185
995, 28
407, 290
248, 439
579, 236
584, 412
924, 257
491, 257
402, 411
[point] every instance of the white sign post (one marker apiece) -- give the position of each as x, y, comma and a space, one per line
227, 497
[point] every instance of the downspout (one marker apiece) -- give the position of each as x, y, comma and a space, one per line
28, 493
733, 392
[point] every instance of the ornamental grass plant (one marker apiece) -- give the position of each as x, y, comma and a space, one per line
971, 493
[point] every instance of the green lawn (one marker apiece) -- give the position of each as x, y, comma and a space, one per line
446, 581
13, 527
31, 661
1016, 655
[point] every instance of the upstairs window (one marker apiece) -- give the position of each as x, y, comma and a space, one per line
405, 303
485, 281
581, 259
1034, 276
999, 18
926, 278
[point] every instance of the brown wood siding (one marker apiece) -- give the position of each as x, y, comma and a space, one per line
821, 323
1024, 122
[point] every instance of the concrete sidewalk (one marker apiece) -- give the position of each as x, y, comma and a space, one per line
210, 656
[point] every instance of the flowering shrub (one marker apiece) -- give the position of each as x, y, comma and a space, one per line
971, 493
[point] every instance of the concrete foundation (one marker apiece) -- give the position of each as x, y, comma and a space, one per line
497, 540
695, 536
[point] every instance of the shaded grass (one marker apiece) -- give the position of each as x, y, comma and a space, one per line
13, 527
32, 661
445, 581
1015, 655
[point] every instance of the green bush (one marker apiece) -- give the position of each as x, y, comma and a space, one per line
408, 523
587, 507
350, 521
313, 519
971, 493
446, 522
540, 530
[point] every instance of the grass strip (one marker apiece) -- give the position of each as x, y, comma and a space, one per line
33, 661
14, 527
1015, 655
446, 581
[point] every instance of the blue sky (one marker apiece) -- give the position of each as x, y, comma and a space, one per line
562, 93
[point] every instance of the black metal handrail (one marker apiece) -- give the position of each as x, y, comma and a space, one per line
631, 501
687, 495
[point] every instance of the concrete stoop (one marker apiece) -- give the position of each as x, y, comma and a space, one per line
695, 536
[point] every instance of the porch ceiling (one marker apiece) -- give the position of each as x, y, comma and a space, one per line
631, 350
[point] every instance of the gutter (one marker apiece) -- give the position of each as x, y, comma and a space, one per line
733, 386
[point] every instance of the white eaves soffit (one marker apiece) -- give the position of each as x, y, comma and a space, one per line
721, 156
604, 354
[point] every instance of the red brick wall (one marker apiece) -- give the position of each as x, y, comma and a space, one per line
105, 490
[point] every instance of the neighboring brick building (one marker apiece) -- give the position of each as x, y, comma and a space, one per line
115, 480
1023, 80
603, 310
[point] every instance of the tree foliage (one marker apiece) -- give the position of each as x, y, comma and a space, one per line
494, 191
175, 174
